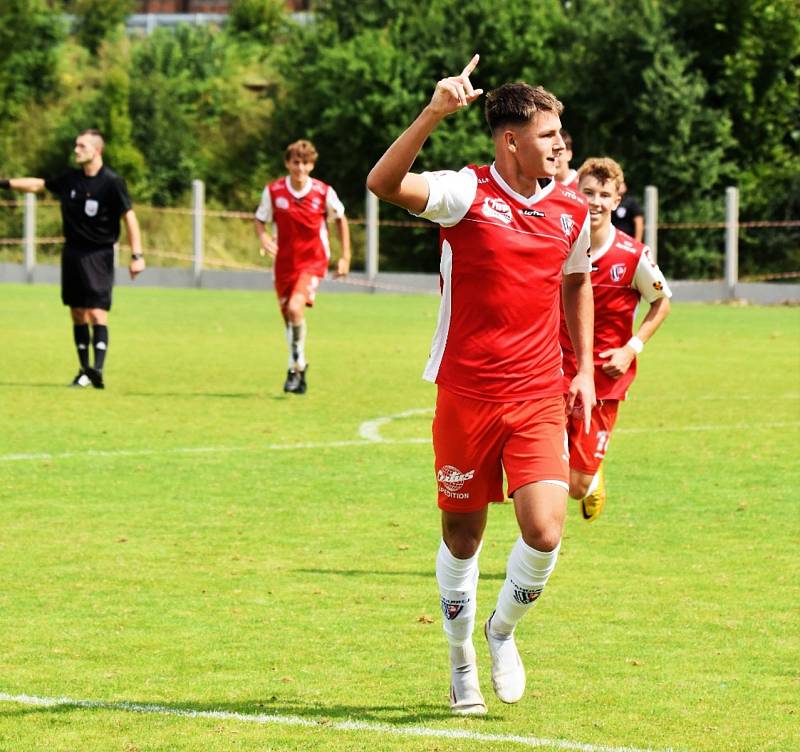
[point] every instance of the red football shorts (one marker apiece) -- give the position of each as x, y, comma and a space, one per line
587, 450
304, 284
475, 440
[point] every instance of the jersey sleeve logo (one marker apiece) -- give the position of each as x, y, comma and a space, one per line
567, 223
90, 207
281, 202
496, 208
658, 285
618, 272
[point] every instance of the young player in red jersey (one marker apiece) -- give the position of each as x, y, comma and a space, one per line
299, 208
511, 239
564, 173
623, 272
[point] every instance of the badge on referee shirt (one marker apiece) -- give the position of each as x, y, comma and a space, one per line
90, 207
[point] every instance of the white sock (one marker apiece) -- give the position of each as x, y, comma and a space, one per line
299, 344
526, 575
296, 339
458, 589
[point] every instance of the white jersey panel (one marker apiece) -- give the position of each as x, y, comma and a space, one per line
445, 308
334, 205
578, 260
264, 211
649, 279
450, 194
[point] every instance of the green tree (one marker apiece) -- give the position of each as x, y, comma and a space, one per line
96, 19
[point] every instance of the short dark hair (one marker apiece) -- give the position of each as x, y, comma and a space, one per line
567, 138
94, 132
517, 103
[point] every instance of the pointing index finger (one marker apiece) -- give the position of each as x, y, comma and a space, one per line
471, 65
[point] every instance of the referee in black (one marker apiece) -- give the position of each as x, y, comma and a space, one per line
93, 200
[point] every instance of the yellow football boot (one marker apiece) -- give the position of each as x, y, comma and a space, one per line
592, 504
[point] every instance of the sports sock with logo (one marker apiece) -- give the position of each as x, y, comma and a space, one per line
526, 575
458, 590
100, 344
80, 333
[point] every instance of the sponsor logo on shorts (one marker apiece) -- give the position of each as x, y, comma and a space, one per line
567, 223
496, 208
451, 609
451, 480
524, 595
618, 272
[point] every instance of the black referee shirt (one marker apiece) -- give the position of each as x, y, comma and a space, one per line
91, 207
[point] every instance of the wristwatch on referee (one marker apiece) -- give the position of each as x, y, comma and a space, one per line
136, 256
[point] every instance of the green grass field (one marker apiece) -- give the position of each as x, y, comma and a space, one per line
191, 539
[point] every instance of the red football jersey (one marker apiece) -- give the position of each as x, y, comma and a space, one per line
300, 220
571, 181
622, 273
502, 260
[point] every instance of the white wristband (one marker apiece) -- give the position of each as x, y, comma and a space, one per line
636, 345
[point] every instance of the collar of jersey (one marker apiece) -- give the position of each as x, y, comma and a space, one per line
524, 200
298, 194
572, 175
603, 249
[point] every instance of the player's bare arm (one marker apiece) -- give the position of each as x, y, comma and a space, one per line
620, 358
135, 241
343, 265
391, 178
267, 244
579, 315
24, 185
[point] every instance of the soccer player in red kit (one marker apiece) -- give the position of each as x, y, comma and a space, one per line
564, 173
299, 208
511, 239
623, 272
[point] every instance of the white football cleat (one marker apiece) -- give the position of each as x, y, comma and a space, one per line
508, 673
465, 692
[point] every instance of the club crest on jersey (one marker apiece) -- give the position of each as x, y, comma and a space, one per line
617, 272
281, 202
567, 223
451, 609
496, 208
315, 203
90, 207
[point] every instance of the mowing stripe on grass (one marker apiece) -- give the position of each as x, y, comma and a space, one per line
372, 431
319, 724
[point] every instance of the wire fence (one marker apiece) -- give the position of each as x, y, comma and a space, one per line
229, 241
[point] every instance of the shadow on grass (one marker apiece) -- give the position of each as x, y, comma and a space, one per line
208, 395
408, 714
392, 573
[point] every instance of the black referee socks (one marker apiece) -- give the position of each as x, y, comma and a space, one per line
81, 334
100, 343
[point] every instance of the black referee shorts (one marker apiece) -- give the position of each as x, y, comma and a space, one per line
87, 278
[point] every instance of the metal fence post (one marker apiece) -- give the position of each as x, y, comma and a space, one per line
29, 234
731, 239
372, 236
651, 219
198, 211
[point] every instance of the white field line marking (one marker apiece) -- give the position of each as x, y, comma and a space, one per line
321, 724
370, 434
